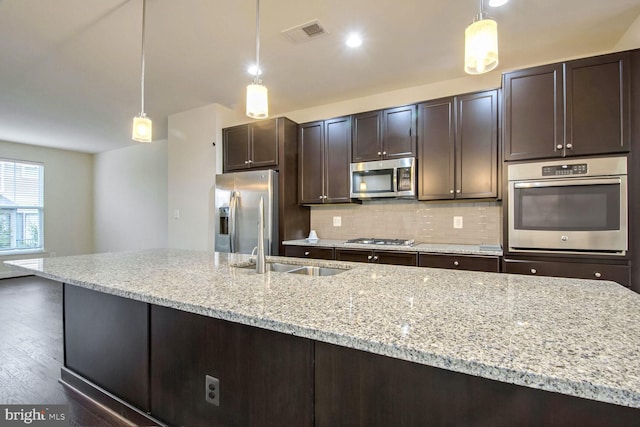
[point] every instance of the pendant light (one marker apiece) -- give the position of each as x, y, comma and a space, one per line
141, 123
481, 44
257, 97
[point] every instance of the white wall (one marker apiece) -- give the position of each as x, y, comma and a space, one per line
191, 177
68, 199
130, 198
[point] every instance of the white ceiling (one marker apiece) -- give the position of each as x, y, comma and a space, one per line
70, 69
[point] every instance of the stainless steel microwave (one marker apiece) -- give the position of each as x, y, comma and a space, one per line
569, 206
384, 178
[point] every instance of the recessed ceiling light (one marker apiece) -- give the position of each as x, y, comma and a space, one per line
253, 70
354, 40
497, 3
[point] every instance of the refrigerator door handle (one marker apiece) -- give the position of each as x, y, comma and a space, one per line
233, 205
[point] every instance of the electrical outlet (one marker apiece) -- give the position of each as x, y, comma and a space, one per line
212, 390
457, 222
176, 214
337, 221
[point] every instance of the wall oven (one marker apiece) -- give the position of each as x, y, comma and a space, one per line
569, 206
384, 178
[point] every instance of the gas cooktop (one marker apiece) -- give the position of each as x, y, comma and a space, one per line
387, 242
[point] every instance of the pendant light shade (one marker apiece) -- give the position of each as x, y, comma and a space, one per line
481, 45
141, 128
257, 94
141, 123
257, 101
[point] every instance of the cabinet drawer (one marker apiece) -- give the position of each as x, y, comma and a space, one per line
396, 258
616, 273
308, 252
354, 255
461, 262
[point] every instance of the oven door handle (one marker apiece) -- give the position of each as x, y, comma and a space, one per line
565, 182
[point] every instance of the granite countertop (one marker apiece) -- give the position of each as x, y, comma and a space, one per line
577, 337
442, 248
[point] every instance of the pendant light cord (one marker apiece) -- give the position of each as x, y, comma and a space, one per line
257, 79
144, 7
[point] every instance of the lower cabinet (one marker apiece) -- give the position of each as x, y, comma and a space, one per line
380, 257
616, 273
357, 388
461, 262
106, 340
309, 252
266, 378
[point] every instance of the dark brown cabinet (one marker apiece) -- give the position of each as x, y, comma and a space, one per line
266, 377
380, 257
324, 158
384, 134
106, 340
489, 264
616, 273
251, 146
458, 147
589, 96
309, 252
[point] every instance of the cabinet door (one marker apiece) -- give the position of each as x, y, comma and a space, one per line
367, 137
436, 150
461, 262
311, 164
235, 148
598, 114
266, 378
533, 113
477, 145
396, 258
308, 252
264, 144
106, 341
337, 149
615, 273
399, 132
355, 255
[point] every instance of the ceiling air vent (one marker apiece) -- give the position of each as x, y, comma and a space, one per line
305, 32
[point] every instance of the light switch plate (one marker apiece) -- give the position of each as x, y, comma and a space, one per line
176, 214
337, 221
457, 222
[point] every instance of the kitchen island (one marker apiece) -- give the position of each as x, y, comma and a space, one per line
362, 342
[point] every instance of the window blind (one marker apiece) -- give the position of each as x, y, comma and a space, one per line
21, 206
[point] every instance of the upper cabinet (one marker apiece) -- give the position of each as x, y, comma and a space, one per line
384, 134
458, 147
251, 146
577, 108
324, 155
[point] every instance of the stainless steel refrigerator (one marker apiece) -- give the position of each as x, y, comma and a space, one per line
237, 197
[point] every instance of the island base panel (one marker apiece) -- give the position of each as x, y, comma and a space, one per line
357, 388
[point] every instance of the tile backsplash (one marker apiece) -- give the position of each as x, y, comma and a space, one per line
409, 219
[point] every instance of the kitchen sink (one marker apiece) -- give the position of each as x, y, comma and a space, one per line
305, 270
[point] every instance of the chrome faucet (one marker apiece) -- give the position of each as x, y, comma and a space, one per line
261, 261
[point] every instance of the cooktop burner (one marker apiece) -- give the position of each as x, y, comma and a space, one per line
375, 241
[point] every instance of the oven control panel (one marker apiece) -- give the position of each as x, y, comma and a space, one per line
558, 170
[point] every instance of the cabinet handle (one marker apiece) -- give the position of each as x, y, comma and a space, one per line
379, 153
534, 271
458, 191
569, 146
597, 274
456, 263
369, 257
307, 253
451, 191
375, 258
409, 131
384, 153
246, 162
320, 197
559, 146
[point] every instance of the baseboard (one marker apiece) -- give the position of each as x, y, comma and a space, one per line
105, 400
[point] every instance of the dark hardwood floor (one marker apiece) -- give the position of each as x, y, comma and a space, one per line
31, 352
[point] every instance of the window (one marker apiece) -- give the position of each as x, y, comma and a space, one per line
21, 206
